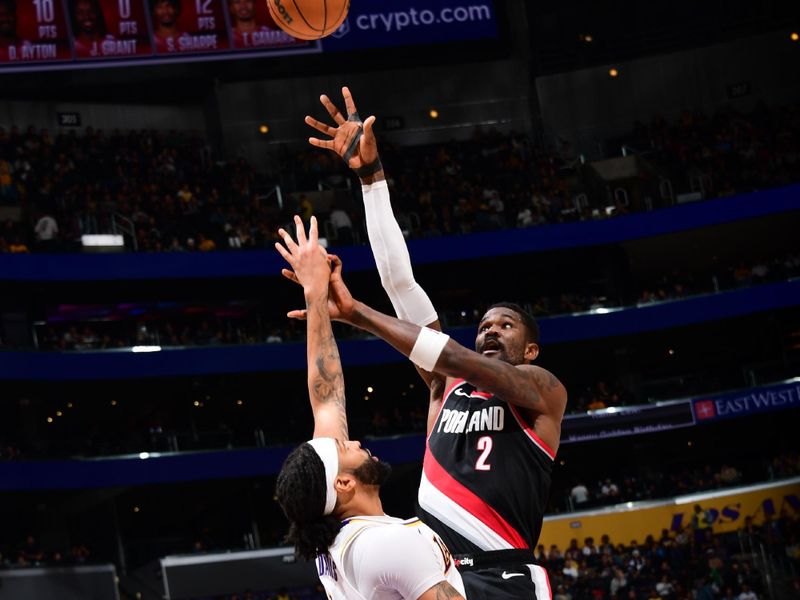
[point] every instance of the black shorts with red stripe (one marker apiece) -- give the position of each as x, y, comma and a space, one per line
510, 582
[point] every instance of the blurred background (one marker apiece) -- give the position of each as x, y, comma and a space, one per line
628, 171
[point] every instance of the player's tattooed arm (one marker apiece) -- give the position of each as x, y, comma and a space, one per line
325, 377
442, 591
311, 268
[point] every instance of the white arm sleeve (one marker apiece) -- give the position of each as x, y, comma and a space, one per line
393, 559
409, 300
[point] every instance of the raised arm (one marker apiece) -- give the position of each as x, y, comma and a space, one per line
355, 142
325, 378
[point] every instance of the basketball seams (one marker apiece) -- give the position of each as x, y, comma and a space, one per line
308, 31
302, 16
285, 26
345, 8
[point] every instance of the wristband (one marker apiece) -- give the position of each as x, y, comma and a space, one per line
369, 169
428, 348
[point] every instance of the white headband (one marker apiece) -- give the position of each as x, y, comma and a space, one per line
325, 448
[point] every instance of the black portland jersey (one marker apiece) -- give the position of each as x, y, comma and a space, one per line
486, 474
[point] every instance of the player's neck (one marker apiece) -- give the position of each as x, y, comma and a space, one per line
367, 503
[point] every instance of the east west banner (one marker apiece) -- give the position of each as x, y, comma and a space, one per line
769, 398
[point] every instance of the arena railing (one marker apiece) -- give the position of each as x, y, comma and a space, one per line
148, 468
182, 265
157, 361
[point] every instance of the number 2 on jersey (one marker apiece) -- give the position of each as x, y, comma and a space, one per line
484, 444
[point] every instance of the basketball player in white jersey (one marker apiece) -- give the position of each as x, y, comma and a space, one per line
494, 419
329, 486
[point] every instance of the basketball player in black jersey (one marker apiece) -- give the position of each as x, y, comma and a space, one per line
494, 419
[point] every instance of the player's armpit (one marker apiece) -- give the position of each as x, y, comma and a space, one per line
442, 591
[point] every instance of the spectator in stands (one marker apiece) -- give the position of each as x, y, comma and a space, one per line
343, 225
728, 475
571, 568
8, 190
701, 525
31, 553
596, 403
18, 246
46, 230
306, 208
759, 272
525, 217
561, 593
579, 495
664, 587
606, 547
589, 549
618, 584
747, 593
205, 244
609, 492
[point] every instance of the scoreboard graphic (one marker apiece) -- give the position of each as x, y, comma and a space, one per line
181, 26
253, 27
109, 29
68, 34
33, 31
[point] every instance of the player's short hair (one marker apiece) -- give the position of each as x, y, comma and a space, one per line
301, 492
527, 318
176, 4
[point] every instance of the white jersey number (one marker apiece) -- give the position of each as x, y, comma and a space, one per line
484, 444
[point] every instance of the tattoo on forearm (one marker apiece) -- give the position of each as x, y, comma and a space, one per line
545, 381
326, 381
445, 591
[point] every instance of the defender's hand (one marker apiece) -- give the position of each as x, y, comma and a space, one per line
356, 151
341, 305
307, 258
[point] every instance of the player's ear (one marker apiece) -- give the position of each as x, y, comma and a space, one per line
531, 351
344, 483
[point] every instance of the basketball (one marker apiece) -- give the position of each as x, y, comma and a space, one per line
309, 19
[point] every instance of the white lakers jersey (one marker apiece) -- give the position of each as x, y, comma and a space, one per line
384, 558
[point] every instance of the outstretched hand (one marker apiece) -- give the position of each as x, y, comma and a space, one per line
340, 301
307, 258
351, 139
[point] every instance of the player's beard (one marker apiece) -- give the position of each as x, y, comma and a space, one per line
373, 472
